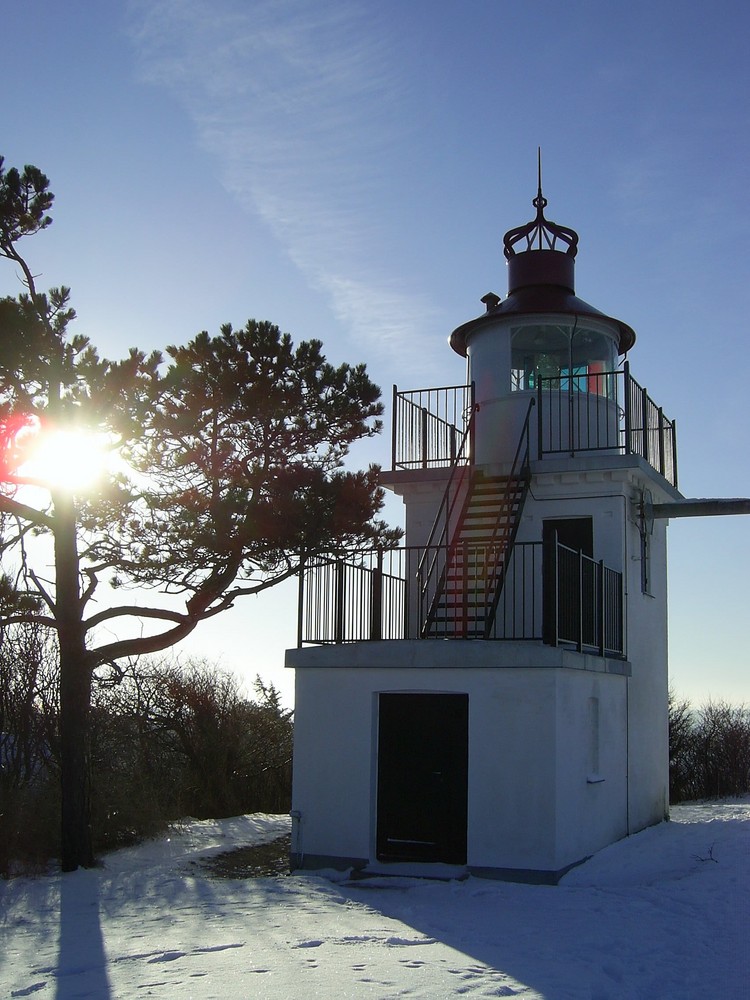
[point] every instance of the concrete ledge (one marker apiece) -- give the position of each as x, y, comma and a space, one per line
528, 876
319, 862
437, 871
612, 464
362, 869
431, 654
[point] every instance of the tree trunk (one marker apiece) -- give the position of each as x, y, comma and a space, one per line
75, 695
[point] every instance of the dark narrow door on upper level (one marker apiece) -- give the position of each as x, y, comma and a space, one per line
567, 578
422, 777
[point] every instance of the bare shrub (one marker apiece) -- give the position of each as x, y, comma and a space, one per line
709, 750
29, 796
166, 740
681, 749
234, 754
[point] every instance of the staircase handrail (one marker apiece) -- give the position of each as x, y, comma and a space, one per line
519, 465
518, 468
446, 505
519, 472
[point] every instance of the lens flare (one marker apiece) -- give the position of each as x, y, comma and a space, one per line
69, 460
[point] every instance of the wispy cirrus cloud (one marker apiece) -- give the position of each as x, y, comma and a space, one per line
296, 99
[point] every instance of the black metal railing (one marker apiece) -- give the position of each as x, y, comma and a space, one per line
648, 432
577, 413
583, 602
356, 596
604, 411
429, 424
559, 596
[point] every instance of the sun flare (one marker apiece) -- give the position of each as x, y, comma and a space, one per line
69, 460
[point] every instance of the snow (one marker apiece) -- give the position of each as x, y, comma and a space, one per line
661, 915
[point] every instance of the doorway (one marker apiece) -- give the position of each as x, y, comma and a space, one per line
569, 580
423, 756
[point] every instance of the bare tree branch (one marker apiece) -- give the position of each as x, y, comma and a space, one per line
46, 596
26, 513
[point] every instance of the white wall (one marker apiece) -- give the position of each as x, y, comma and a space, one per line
512, 770
333, 756
648, 687
535, 798
531, 804
488, 354
592, 774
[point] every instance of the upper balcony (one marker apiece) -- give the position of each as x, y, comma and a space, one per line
472, 579
577, 413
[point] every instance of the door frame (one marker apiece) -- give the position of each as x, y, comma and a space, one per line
422, 772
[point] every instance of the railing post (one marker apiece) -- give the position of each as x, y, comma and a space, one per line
301, 600
376, 611
628, 414
644, 424
472, 456
620, 624
573, 438
421, 616
394, 426
550, 592
527, 436
407, 581
661, 441
423, 435
539, 422
338, 629
579, 643
674, 454
464, 630
601, 616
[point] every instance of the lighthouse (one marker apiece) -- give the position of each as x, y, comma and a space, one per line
490, 698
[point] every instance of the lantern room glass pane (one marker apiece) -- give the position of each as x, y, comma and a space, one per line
562, 356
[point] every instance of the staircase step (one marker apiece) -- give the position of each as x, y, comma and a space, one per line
488, 515
476, 566
469, 621
478, 553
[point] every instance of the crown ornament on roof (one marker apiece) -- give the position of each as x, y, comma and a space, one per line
540, 233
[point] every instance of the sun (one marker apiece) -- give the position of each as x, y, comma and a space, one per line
70, 460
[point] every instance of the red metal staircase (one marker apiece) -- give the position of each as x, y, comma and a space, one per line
466, 598
463, 567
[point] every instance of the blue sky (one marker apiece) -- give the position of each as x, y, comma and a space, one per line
347, 170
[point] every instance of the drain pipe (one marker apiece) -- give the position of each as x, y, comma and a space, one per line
297, 852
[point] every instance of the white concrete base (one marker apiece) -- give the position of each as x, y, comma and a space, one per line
547, 750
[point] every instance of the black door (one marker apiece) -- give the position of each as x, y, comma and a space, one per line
566, 579
422, 777
575, 532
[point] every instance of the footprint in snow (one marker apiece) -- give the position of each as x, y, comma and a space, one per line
29, 989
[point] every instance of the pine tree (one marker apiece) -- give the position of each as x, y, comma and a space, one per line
229, 472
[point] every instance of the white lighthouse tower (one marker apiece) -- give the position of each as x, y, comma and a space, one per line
492, 696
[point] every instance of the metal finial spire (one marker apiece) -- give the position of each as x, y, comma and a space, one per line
540, 231
539, 168
540, 202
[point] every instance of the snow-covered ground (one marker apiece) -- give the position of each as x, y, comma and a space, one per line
661, 915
